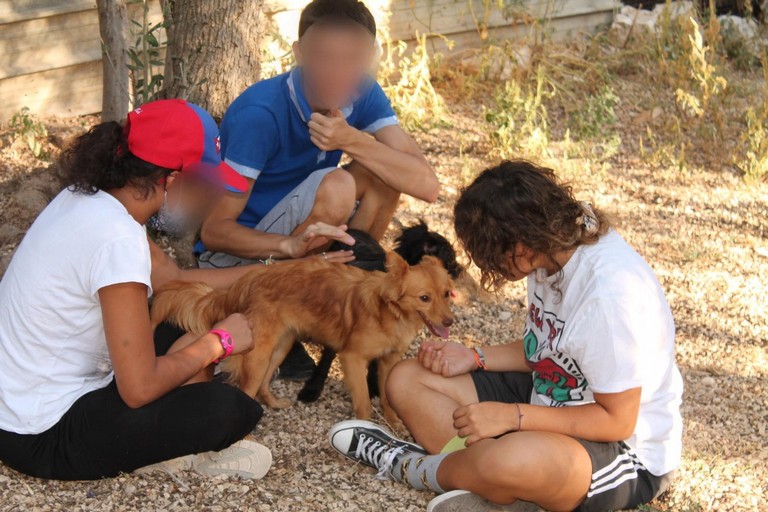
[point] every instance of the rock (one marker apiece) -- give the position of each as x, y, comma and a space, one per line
676, 9
627, 16
709, 381
505, 316
744, 29
643, 19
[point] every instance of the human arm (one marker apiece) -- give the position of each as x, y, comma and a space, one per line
607, 343
390, 154
222, 233
449, 358
612, 417
164, 269
141, 376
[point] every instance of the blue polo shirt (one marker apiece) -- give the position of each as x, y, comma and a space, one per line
264, 136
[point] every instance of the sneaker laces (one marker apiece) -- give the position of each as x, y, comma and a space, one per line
380, 456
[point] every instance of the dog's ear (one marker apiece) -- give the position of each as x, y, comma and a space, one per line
397, 267
432, 260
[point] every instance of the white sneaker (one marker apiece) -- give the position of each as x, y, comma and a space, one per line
465, 501
245, 459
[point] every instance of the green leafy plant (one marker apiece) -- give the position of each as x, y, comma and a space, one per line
144, 54
27, 128
596, 115
519, 120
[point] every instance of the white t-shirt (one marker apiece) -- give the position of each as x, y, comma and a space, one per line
611, 330
52, 344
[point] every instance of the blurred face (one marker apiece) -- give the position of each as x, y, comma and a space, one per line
334, 60
519, 263
187, 200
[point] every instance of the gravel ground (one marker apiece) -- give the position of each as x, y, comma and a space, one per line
703, 233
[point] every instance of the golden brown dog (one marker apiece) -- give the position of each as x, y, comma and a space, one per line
361, 315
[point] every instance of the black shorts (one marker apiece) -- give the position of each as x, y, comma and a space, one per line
619, 479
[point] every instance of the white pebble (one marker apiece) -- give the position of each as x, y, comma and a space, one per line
504, 316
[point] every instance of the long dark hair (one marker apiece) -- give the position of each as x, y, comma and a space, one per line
100, 160
519, 201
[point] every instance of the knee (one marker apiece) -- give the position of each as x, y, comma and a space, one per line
240, 411
384, 194
336, 195
505, 471
401, 380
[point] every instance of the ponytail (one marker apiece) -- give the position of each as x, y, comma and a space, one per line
100, 160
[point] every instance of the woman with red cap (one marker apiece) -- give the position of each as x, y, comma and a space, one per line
85, 393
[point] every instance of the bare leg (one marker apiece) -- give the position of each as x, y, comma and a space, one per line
378, 202
426, 401
334, 201
551, 470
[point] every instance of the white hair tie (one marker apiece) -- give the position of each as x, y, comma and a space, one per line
588, 219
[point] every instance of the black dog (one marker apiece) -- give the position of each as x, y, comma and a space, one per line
413, 244
418, 241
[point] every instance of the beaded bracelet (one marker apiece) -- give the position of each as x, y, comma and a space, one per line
479, 358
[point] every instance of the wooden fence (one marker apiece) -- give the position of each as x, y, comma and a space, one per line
50, 50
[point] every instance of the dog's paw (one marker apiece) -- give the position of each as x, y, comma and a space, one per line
281, 403
309, 394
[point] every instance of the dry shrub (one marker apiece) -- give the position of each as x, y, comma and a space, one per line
406, 74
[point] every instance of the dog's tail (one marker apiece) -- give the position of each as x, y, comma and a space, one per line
193, 307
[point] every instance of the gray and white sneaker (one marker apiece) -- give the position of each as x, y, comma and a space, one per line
373, 445
245, 459
465, 501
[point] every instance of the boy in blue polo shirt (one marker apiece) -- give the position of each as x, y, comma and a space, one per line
286, 136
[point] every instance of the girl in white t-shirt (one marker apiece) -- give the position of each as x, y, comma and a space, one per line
84, 391
582, 413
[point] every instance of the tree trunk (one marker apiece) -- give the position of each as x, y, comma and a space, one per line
213, 50
112, 28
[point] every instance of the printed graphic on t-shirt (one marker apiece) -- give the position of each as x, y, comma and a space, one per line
557, 378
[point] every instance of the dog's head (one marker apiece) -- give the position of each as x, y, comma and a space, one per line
425, 289
418, 241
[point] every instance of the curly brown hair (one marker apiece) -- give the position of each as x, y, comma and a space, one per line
100, 160
519, 201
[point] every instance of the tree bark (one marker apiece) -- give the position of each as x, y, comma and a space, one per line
112, 28
213, 50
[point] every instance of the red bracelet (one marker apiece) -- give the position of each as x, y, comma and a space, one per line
226, 343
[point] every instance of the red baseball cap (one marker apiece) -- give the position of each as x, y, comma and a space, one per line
176, 134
